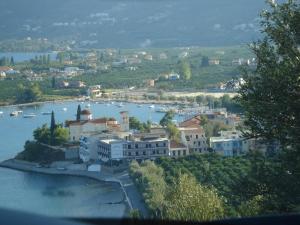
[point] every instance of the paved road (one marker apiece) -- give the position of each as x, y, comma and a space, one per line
133, 193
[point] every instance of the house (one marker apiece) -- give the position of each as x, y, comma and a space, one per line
178, 149
230, 143
5, 69
148, 57
76, 84
195, 121
119, 63
133, 60
163, 56
214, 62
2, 74
194, 138
94, 91
62, 84
72, 71
150, 83
87, 126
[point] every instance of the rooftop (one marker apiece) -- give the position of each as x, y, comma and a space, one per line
110, 141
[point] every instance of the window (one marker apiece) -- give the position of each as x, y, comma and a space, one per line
144, 153
165, 151
129, 146
179, 152
136, 146
156, 144
129, 153
184, 152
173, 152
136, 153
196, 136
153, 152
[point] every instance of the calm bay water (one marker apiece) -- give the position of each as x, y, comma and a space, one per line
58, 195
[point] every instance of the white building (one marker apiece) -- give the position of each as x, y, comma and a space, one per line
194, 138
94, 91
111, 149
87, 126
230, 143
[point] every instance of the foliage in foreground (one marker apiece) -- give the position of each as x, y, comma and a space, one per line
185, 200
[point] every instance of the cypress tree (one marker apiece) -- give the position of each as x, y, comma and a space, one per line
78, 113
52, 128
12, 61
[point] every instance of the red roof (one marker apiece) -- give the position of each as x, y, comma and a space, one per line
85, 112
5, 68
95, 121
193, 122
174, 144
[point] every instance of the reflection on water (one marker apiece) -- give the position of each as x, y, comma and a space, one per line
63, 196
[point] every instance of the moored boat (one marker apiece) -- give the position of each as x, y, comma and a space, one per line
46, 113
14, 113
30, 115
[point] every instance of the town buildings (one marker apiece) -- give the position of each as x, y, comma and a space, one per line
229, 143
192, 135
87, 126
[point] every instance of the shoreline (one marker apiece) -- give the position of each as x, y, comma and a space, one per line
136, 101
131, 200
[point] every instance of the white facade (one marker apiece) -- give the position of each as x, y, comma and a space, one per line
110, 149
194, 138
230, 143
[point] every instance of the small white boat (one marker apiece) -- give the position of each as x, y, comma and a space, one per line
139, 106
161, 110
1, 113
30, 115
14, 113
151, 106
120, 105
65, 109
112, 103
88, 105
46, 113
20, 112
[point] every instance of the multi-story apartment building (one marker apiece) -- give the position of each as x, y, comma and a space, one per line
192, 135
146, 148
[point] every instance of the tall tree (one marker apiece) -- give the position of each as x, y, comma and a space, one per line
78, 113
12, 61
271, 94
52, 129
48, 59
167, 119
204, 61
53, 82
186, 70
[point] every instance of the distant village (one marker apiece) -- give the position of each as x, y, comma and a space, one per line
73, 64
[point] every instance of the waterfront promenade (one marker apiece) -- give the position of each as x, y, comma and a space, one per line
132, 197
